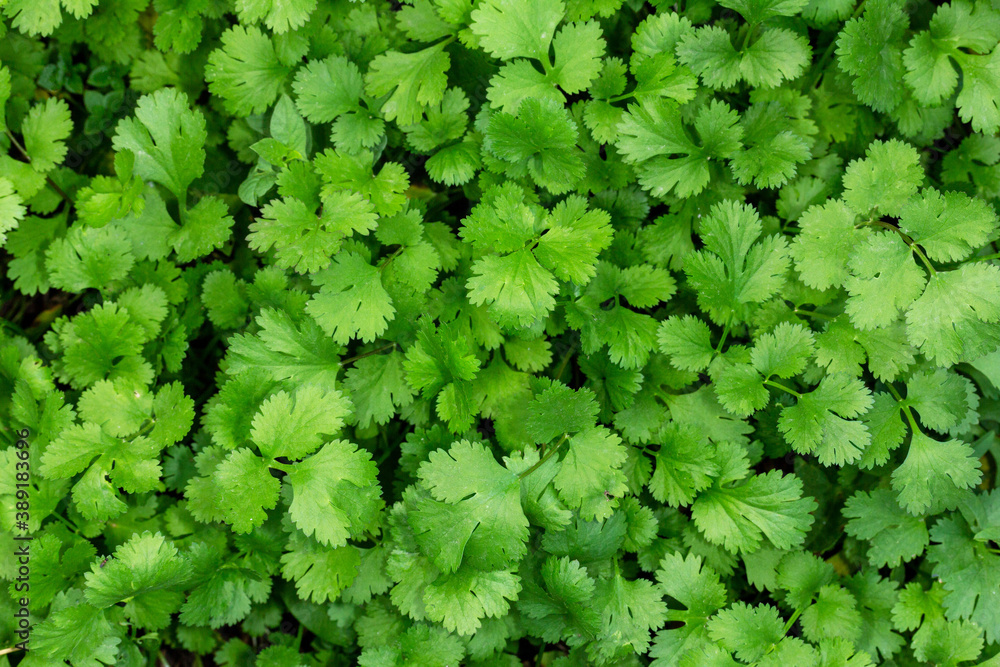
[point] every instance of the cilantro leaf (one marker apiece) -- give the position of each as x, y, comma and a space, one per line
246, 71
734, 269
739, 517
352, 301
894, 536
473, 516
653, 136
167, 138
145, 574
335, 493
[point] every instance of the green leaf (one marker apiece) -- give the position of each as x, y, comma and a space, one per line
949, 226
784, 352
777, 54
687, 339
412, 81
378, 388
516, 288
11, 209
167, 138
558, 607
45, 129
473, 514
933, 472
245, 490
335, 494
351, 302
280, 17
734, 269
88, 258
304, 241
286, 348
748, 631
329, 88
631, 609
967, 567
886, 179
684, 466
509, 29
869, 48
540, 138
769, 505
320, 573
146, 574
559, 410
884, 280
246, 72
77, 632
824, 243
590, 476
441, 363
292, 426
955, 318
945, 401
822, 421
653, 136
893, 535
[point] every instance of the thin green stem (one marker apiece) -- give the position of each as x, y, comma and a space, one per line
545, 458
351, 360
182, 207
923, 258
746, 37
725, 334
986, 258
910, 243
388, 260
787, 390
66, 521
828, 53
813, 313
385, 456
145, 429
906, 408
791, 621
564, 362
27, 157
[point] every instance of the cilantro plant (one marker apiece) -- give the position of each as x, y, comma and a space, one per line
500, 332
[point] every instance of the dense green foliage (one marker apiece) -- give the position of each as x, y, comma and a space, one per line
501, 332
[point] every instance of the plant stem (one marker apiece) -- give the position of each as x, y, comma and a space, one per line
791, 621
385, 262
66, 521
905, 408
778, 385
910, 243
923, 258
746, 37
351, 360
813, 313
564, 362
48, 179
828, 53
545, 458
725, 334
